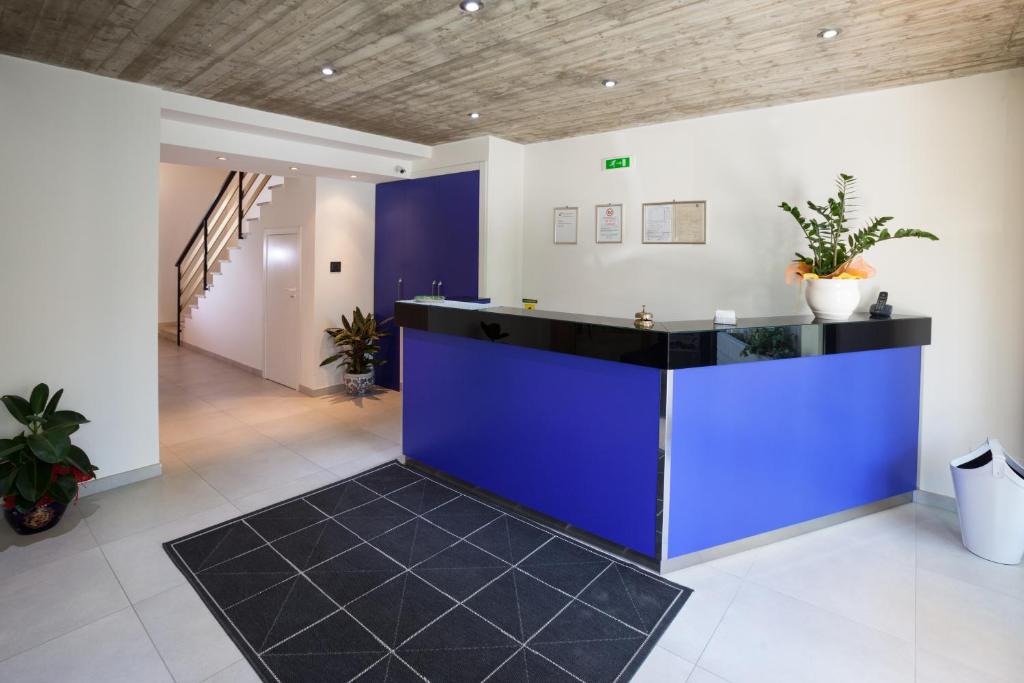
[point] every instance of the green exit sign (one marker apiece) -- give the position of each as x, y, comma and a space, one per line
617, 162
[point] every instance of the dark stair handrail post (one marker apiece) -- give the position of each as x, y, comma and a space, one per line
206, 254
178, 303
240, 196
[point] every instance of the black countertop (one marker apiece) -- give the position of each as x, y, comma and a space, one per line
668, 345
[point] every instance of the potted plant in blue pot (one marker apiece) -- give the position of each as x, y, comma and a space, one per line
357, 343
40, 469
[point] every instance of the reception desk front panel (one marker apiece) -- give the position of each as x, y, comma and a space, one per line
757, 447
570, 437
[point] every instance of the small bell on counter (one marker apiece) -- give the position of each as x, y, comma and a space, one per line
643, 319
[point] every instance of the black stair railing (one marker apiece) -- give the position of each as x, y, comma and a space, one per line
212, 236
203, 230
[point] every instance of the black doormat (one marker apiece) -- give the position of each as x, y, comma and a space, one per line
392, 575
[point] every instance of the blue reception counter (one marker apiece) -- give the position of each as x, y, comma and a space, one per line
667, 444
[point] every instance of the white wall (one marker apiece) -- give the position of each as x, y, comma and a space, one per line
503, 227
78, 243
344, 232
945, 156
185, 194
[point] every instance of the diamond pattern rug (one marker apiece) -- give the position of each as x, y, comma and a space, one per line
395, 576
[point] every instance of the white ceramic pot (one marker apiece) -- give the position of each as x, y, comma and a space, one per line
833, 299
359, 385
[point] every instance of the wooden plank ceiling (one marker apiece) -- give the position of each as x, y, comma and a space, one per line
414, 69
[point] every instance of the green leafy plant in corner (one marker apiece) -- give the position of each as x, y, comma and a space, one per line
41, 464
357, 343
767, 342
832, 243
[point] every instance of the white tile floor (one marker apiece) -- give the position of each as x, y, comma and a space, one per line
890, 597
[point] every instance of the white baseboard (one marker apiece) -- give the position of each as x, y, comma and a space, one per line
223, 359
337, 389
114, 481
333, 389
935, 500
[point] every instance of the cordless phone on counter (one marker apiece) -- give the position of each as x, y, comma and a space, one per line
881, 309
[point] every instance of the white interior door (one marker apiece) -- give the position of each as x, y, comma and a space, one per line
282, 309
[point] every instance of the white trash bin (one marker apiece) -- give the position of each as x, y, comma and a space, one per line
990, 499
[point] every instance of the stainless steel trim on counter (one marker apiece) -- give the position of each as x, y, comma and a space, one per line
665, 473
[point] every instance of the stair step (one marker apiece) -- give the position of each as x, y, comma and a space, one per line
167, 331
275, 181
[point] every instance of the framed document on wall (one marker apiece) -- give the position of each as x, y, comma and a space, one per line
608, 224
675, 223
566, 223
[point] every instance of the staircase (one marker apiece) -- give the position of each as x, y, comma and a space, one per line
224, 225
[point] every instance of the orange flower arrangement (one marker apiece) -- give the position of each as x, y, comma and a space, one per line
856, 269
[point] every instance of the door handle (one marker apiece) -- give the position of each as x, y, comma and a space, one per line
291, 291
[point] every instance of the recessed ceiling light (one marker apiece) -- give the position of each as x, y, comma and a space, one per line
353, 177
222, 158
294, 168
609, 83
327, 71
471, 5
474, 114
828, 33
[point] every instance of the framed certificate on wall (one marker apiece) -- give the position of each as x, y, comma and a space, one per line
608, 223
566, 222
675, 223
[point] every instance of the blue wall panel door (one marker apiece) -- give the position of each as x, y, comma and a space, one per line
458, 249
761, 446
574, 438
426, 229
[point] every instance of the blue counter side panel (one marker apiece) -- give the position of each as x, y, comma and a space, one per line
761, 446
574, 438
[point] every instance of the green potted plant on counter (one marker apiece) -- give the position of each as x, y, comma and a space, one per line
40, 469
358, 349
836, 263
